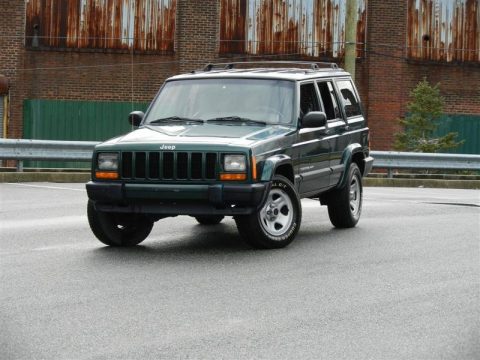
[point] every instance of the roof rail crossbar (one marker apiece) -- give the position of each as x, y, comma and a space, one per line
314, 65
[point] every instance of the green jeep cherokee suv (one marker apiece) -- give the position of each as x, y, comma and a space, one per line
236, 140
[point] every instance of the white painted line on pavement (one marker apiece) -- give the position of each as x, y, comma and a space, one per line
53, 222
45, 187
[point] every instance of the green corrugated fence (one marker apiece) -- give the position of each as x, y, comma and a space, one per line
74, 120
99, 121
468, 129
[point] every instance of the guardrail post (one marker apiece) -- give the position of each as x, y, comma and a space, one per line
20, 165
390, 173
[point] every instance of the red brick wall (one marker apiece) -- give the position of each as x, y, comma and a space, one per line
386, 36
11, 51
391, 75
198, 32
94, 75
459, 84
384, 78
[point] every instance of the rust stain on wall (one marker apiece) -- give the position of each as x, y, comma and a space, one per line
303, 27
444, 30
233, 17
147, 25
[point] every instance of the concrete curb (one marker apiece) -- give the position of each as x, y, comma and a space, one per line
83, 177
60, 177
427, 183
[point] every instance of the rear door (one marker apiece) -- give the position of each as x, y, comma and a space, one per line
350, 131
312, 147
337, 129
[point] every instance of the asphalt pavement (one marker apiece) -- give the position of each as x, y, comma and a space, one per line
403, 284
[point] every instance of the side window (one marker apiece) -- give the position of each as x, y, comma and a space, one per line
350, 100
329, 100
308, 98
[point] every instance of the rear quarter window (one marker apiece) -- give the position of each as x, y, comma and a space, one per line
351, 104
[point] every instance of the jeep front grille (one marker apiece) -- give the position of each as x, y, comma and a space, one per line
169, 165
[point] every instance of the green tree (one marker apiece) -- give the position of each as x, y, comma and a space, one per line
424, 109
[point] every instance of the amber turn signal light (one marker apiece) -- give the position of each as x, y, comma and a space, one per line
110, 175
233, 176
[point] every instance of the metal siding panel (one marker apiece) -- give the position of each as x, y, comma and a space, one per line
102, 24
302, 27
75, 120
444, 30
467, 127
233, 19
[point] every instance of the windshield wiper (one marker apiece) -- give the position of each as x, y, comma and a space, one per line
236, 120
175, 119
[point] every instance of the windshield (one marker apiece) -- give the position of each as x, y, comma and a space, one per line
230, 100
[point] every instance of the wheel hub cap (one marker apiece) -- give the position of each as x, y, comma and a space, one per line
354, 196
276, 215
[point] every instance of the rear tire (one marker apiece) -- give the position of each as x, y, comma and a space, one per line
115, 229
276, 224
209, 219
345, 205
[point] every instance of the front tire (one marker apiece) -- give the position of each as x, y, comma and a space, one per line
115, 229
276, 224
345, 205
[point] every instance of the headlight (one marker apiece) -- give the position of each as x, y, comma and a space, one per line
107, 161
234, 163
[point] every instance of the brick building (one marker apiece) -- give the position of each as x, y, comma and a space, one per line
75, 68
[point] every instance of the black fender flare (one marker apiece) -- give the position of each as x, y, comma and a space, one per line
272, 163
270, 166
347, 158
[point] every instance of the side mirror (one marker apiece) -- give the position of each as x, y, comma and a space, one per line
314, 119
135, 118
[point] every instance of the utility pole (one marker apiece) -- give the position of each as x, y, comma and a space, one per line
351, 37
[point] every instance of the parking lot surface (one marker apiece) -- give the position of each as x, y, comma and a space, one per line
403, 284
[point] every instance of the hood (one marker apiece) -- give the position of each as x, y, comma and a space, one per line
234, 135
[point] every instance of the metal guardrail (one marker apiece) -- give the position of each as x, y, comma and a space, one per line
20, 150
391, 160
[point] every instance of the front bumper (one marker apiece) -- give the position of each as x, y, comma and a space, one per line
177, 199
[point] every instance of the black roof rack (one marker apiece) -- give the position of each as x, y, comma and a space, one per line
314, 65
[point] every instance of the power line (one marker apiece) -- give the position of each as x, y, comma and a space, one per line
96, 66
367, 49
149, 63
136, 39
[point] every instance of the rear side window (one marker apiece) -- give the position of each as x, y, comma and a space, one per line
329, 100
350, 99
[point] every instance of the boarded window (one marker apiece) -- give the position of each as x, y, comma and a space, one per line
302, 27
444, 30
147, 25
